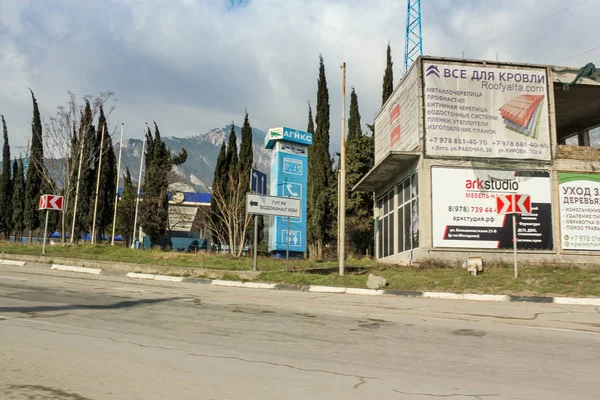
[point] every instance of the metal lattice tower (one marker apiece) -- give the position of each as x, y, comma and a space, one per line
413, 45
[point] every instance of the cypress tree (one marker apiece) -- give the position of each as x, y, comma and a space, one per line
87, 180
217, 188
126, 209
246, 157
359, 160
108, 178
245, 167
155, 207
311, 123
388, 78
232, 153
34, 172
6, 187
18, 199
320, 175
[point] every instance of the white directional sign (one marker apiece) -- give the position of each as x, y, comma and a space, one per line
273, 205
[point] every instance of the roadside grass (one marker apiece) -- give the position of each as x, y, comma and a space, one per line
532, 281
431, 276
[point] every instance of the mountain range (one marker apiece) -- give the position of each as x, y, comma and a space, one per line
196, 174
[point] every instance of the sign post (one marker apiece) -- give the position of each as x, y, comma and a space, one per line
514, 204
45, 233
257, 185
49, 202
272, 205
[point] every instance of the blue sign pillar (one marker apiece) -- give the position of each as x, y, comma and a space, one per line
289, 174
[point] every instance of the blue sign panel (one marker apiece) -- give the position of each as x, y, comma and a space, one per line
289, 173
258, 181
296, 136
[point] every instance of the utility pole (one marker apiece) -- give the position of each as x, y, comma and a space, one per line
93, 238
82, 137
137, 199
112, 242
342, 185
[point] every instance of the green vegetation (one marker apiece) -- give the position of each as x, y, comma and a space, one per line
321, 179
496, 279
33, 187
6, 186
108, 169
359, 205
388, 77
154, 210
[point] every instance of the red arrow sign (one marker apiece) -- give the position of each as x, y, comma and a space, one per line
523, 204
514, 203
51, 202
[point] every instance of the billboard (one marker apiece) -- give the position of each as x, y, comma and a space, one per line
397, 125
464, 210
486, 111
579, 197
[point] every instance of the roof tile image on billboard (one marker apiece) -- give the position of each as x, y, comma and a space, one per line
522, 114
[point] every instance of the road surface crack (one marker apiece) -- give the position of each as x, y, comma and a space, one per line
534, 317
361, 381
475, 396
360, 377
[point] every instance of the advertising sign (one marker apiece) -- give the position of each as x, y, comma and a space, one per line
579, 196
397, 125
289, 174
289, 135
464, 209
491, 112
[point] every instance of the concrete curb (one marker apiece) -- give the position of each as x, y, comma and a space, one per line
12, 262
85, 270
592, 301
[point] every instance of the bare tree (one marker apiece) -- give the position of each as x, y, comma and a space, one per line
231, 216
61, 133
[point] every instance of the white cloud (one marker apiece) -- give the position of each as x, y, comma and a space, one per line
192, 65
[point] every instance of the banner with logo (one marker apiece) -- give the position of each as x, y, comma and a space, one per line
491, 112
464, 210
397, 125
579, 196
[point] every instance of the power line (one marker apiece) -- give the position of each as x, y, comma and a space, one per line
577, 55
525, 26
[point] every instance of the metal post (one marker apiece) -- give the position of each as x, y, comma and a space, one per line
287, 250
45, 233
137, 199
112, 242
93, 238
514, 218
82, 138
254, 267
342, 186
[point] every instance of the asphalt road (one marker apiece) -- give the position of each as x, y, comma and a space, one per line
70, 336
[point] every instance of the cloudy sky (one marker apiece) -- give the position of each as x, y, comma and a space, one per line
193, 65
